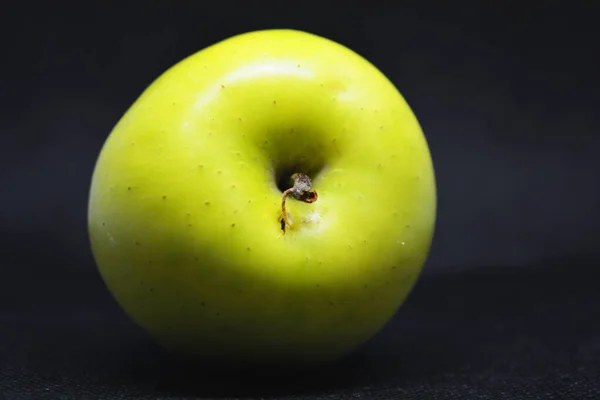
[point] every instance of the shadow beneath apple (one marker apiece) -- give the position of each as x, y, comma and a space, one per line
183, 379
413, 347
387, 358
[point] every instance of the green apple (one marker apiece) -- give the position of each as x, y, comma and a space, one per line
185, 208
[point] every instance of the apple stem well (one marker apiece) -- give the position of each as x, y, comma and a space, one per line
301, 190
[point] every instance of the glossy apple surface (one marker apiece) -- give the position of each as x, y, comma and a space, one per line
185, 208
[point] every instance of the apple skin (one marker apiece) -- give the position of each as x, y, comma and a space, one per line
184, 207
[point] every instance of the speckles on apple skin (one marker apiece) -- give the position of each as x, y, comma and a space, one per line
207, 203
164, 197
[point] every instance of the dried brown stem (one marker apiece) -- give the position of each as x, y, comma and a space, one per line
301, 190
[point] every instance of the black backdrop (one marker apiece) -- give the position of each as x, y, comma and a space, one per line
508, 304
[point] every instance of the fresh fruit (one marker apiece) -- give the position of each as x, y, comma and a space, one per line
185, 208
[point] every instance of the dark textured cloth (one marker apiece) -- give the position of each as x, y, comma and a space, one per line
529, 333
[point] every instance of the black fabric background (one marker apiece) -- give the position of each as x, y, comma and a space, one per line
508, 305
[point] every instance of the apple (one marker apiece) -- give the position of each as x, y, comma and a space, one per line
186, 202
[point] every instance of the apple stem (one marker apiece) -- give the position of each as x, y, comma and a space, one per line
301, 190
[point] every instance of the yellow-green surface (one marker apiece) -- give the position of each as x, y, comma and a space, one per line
184, 206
